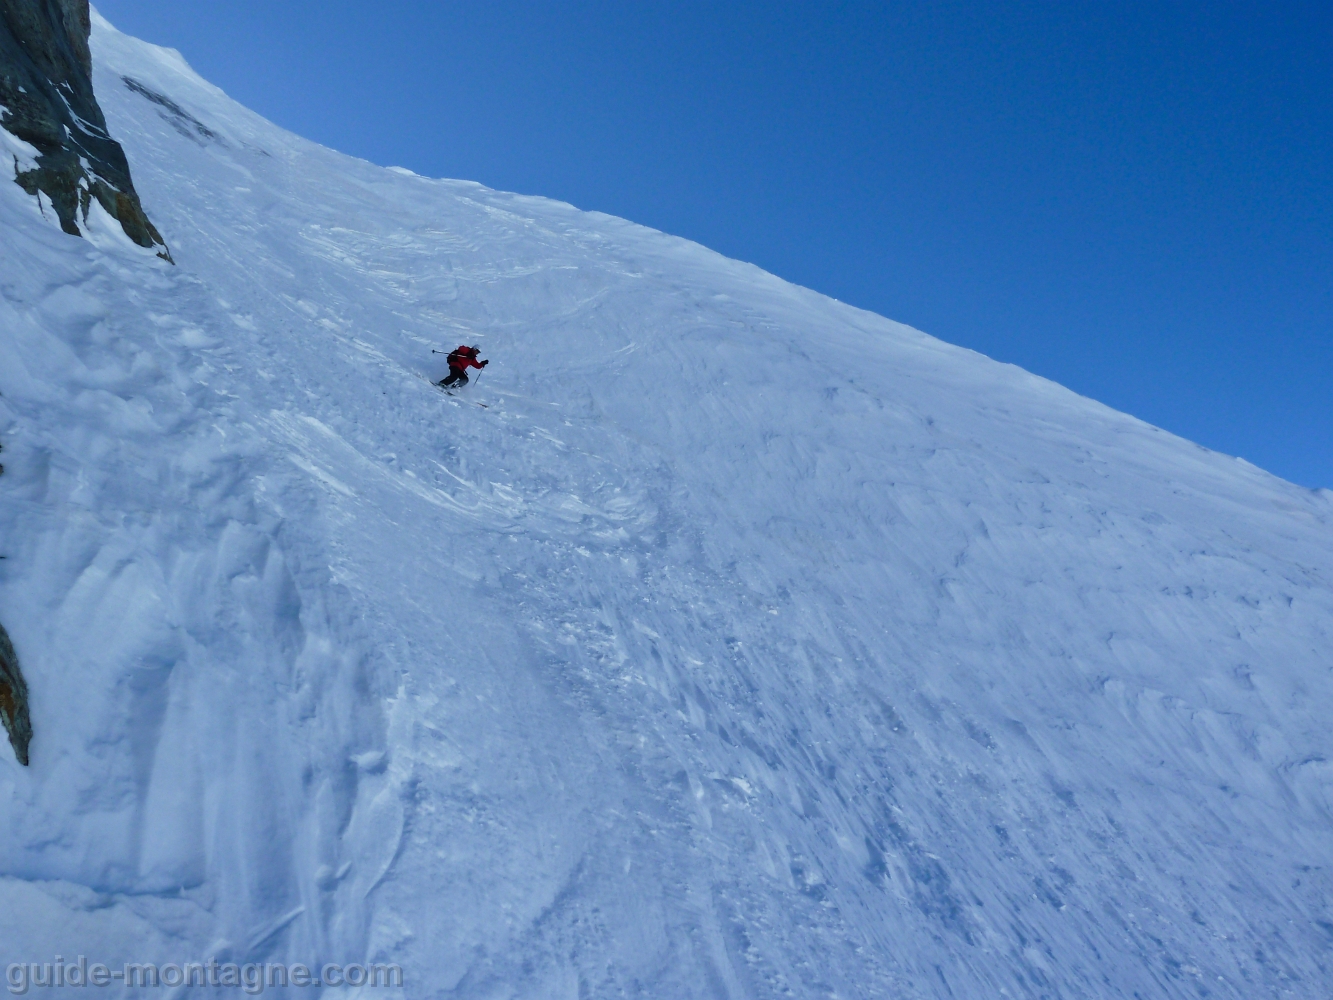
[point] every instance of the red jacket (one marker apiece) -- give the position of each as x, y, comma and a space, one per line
463, 357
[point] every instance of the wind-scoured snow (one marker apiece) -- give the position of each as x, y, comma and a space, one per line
744, 645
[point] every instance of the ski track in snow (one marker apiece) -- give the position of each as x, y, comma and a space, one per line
748, 645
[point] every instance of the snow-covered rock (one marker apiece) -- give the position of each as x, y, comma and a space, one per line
743, 644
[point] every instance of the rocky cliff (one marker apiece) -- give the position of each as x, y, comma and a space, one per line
47, 101
14, 699
13, 695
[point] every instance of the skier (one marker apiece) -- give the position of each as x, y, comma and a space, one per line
460, 359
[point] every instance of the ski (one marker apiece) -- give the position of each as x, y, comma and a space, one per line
472, 401
484, 406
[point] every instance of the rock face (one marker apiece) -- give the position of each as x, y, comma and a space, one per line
47, 101
14, 699
13, 695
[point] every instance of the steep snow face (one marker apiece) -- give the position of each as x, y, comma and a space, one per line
742, 645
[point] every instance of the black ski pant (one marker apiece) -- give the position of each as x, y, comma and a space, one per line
457, 377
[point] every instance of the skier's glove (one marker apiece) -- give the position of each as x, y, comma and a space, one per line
485, 363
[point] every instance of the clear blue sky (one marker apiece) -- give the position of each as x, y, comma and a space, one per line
1134, 199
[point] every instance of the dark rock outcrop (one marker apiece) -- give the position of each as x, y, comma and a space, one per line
46, 90
14, 699
13, 695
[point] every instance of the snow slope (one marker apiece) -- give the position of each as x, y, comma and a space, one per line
746, 645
